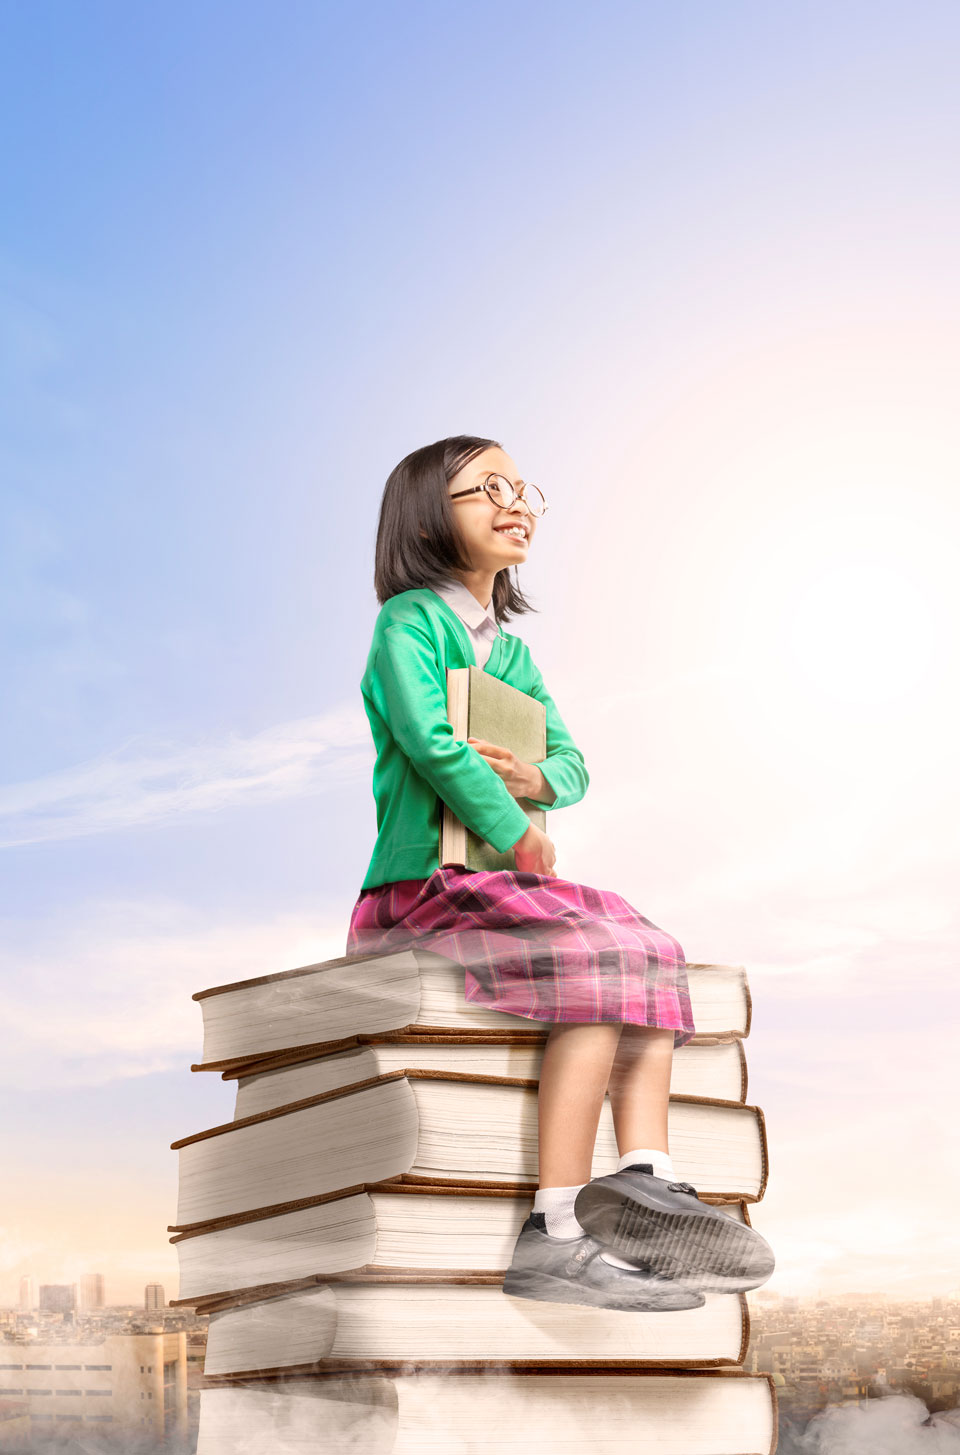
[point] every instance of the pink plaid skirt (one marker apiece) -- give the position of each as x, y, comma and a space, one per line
534, 945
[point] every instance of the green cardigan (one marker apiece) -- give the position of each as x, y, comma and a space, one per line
416, 637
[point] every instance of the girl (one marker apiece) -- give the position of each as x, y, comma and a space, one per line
455, 517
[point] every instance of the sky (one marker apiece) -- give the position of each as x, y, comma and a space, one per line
695, 267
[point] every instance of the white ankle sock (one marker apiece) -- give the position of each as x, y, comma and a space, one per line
662, 1166
557, 1205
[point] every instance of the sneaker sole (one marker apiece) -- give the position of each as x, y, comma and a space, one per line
546, 1289
719, 1254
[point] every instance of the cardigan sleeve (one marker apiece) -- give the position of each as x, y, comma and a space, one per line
410, 694
563, 767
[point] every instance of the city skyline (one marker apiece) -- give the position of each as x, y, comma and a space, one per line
88, 1293
864, 1363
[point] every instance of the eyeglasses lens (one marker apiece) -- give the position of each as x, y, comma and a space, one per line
502, 493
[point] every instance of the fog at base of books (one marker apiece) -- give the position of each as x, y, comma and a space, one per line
496, 1410
896, 1424
88, 1444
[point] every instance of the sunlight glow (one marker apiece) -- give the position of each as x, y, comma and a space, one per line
863, 632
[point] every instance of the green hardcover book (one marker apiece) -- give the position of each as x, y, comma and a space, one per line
481, 706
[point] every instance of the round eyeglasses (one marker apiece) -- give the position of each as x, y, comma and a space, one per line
504, 495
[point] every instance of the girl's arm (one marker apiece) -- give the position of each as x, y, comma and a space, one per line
563, 767
528, 780
410, 695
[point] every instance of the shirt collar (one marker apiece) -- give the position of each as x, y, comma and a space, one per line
468, 608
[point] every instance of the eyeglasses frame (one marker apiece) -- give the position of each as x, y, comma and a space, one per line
518, 494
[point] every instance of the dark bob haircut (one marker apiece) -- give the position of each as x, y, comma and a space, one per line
415, 500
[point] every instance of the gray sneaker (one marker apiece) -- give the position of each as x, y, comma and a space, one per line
665, 1227
570, 1270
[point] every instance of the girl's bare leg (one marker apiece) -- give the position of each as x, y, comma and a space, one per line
576, 1068
639, 1088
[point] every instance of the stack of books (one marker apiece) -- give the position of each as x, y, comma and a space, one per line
348, 1232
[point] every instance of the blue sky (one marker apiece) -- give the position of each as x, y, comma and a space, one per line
695, 267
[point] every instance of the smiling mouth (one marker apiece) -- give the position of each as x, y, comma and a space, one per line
512, 533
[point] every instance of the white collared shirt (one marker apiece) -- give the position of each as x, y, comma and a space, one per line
480, 621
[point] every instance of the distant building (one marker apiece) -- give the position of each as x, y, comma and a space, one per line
128, 1385
58, 1298
91, 1290
28, 1297
807, 1362
153, 1296
14, 1426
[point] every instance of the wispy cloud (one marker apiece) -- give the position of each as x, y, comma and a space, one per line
104, 991
154, 782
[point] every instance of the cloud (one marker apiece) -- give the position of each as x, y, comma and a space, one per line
895, 1425
899, 1243
104, 991
143, 784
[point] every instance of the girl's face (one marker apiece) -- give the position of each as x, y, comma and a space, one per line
482, 523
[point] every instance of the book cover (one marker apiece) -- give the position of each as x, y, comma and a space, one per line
481, 706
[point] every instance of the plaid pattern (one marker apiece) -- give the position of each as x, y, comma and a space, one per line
534, 945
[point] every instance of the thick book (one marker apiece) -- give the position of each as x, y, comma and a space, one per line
433, 1127
362, 1316
294, 1011
493, 1410
388, 1228
481, 706
718, 1071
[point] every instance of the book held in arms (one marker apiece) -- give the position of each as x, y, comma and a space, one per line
482, 706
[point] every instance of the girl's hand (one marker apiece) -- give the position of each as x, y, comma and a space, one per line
522, 779
534, 853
